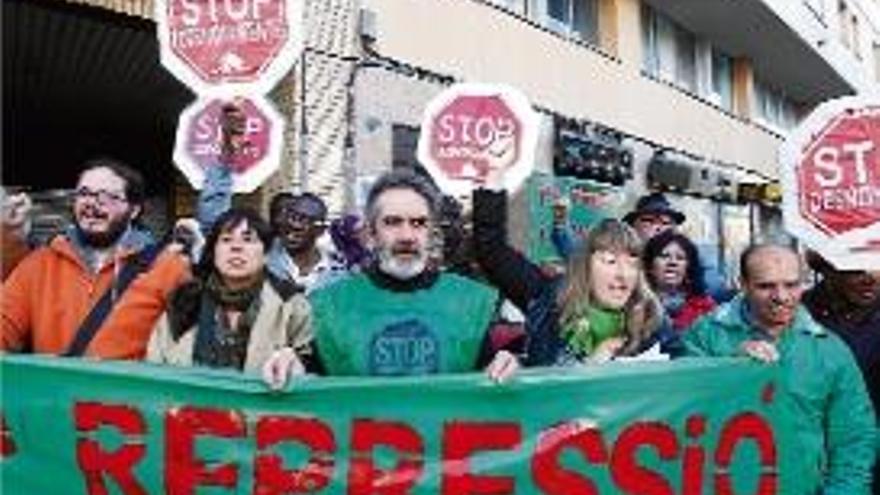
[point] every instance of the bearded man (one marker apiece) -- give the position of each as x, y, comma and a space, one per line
401, 316
52, 292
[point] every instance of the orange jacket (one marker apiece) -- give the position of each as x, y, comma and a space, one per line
50, 293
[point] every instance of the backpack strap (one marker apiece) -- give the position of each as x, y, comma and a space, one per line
102, 308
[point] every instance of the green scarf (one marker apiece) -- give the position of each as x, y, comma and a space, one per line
584, 333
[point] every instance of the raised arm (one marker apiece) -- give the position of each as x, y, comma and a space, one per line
216, 195
513, 274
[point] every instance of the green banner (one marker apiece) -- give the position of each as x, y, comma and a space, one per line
588, 202
688, 427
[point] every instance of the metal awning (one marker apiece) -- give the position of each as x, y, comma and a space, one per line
80, 81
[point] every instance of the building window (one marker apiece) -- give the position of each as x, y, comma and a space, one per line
676, 55
774, 109
578, 19
685, 59
669, 51
404, 143
722, 79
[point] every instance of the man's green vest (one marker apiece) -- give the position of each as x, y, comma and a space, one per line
365, 329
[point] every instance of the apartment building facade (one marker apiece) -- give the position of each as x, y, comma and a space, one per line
707, 89
711, 87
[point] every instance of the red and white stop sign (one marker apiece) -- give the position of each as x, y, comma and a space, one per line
470, 128
831, 182
226, 47
197, 146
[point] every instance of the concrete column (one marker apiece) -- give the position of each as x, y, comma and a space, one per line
743, 88
620, 32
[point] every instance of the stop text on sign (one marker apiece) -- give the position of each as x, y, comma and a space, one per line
236, 10
207, 138
832, 165
471, 134
837, 177
471, 129
830, 174
229, 47
198, 143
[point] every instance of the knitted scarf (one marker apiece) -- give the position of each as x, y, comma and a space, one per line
216, 344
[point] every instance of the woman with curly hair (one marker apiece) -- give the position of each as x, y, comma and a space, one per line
675, 272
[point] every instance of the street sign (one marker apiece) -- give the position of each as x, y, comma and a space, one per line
198, 142
226, 47
469, 129
831, 181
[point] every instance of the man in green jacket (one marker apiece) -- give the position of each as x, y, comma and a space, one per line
821, 383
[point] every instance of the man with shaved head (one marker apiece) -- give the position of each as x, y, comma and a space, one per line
821, 385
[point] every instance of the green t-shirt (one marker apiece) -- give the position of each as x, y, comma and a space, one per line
364, 329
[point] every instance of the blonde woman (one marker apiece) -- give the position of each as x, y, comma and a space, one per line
601, 308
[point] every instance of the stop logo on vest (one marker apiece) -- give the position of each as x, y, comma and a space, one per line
225, 47
831, 182
469, 129
198, 142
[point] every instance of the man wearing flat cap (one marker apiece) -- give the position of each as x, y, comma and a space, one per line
297, 220
652, 215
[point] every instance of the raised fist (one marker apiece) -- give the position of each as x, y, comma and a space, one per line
16, 214
233, 129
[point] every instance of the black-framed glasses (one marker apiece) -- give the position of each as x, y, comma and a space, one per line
102, 196
291, 214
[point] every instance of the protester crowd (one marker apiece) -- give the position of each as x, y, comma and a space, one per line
404, 290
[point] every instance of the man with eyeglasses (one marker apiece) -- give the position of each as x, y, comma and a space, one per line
50, 295
297, 220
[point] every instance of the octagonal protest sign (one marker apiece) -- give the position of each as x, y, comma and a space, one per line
831, 181
470, 129
199, 138
227, 47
